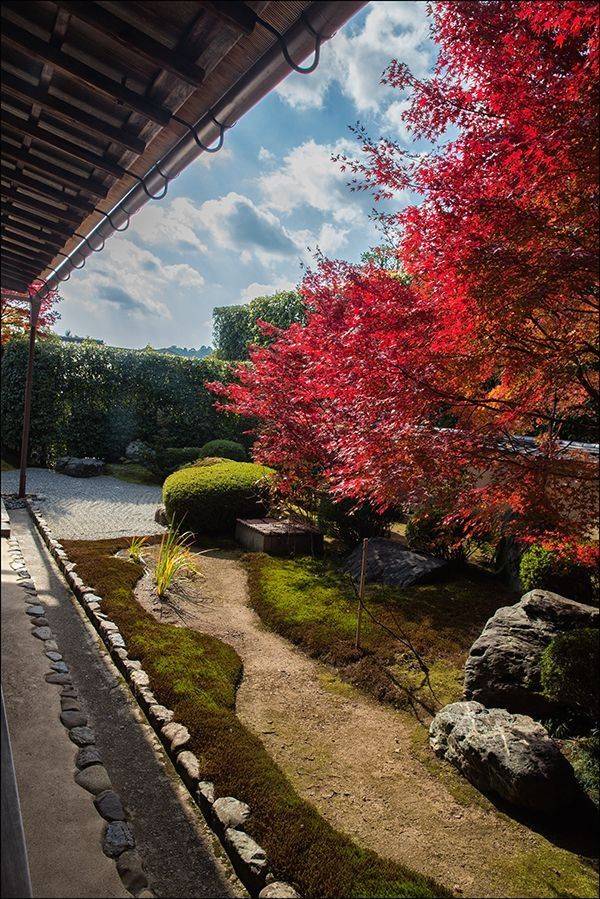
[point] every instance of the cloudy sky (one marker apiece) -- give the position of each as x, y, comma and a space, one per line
242, 222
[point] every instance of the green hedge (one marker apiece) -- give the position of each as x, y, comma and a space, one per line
223, 449
569, 669
92, 400
543, 569
207, 498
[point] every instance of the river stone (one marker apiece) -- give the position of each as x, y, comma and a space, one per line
54, 656
388, 562
73, 718
69, 705
247, 852
56, 678
160, 714
278, 890
51, 645
42, 633
35, 610
231, 812
109, 805
129, 866
511, 755
177, 735
82, 736
61, 667
206, 791
117, 838
40, 622
189, 766
503, 667
94, 779
88, 755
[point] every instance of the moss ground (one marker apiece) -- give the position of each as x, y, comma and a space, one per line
134, 474
312, 603
197, 676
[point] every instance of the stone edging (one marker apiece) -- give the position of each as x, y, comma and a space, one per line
225, 815
118, 841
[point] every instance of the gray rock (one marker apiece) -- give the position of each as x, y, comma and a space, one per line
139, 678
389, 563
72, 718
160, 714
206, 792
69, 705
109, 805
116, 641
40, 622
129, 866
231, 812
176, 734
278, 890
54, 656
35, 610
82, 736
94, 779
132, 665
88, 755
140, 452
118, 837
88, 467
91, 598
109, 627
510, 755
189, 767
51, 645
42, 633
160, 516
503, 667
247, 852
61, 667
69, 691
56, 678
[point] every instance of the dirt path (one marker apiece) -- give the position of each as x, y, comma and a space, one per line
353, 758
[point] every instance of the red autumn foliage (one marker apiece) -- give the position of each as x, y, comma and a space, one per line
402, 394
15, 311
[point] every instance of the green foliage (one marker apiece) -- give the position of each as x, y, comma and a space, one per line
174, 560
569, 669
348, 524
427, 532
197, 676
173, 457
132, 473
235, 327
543, 569
207, 499
92, 400
585, 758
223, 449
134, 550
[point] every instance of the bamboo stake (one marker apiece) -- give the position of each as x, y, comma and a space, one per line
361, 591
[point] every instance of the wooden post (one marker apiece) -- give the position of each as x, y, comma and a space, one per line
361, 591
35, 311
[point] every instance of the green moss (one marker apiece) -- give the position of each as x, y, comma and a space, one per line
133, 473
549, 871
312, 603
5, 466
197, 676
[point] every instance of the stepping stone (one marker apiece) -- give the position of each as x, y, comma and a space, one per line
88, 755
82, 736
61, 667
69, 705
117, 838
56, 678
42, 633
94, 779
129, 867
35, 610
73, 719
231, 812
55, 656
109, 806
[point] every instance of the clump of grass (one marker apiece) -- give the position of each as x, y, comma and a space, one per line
175, 560
134, 550
197, 676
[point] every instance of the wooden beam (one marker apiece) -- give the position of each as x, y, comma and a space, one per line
29, 267
135, 40
66, 112
15, 232
235, 13
17, 270
46, 190
35, 221
39, 207
35, 234
16, 246
61, 143
14, 283
43, 51
70, 179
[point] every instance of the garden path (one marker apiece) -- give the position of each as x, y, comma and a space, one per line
358, 761
90, 508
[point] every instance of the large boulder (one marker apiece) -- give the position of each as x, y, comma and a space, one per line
388, 562
140, 452
503, 667
88, 467
510, 755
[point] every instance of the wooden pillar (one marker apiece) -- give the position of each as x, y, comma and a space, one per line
35, 311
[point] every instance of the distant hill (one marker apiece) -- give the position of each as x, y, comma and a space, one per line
190, 353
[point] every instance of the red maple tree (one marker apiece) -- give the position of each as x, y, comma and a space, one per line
408, 393
15, 309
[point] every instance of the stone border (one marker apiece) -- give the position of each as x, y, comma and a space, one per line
224, 815
118, 841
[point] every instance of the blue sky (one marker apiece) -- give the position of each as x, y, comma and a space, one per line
242, 222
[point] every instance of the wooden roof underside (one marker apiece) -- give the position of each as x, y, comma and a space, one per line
88, 90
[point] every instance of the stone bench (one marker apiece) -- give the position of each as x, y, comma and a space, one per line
278, 538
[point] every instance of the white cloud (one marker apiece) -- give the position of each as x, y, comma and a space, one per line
237, 223
355, 60
170, 225
329, 239
207, 159
265, 155
262, 290
393, 117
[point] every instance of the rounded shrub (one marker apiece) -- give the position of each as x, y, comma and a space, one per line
224, 449
544, 569
569, 671
207, 498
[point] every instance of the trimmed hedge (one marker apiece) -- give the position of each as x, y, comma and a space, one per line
569, 671
223, 449
92, 400
207, 498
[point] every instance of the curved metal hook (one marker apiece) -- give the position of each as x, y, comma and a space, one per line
78, 267
92, 248
114, 227
192, 130
303, 70
158, 196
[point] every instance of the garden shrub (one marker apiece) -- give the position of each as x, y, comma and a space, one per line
224, 449
569, 671
351, 524
427, 532
207, 499
585, 759
173, 457
544, 569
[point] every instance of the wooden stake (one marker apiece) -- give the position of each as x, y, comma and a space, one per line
35, 311
361, 591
